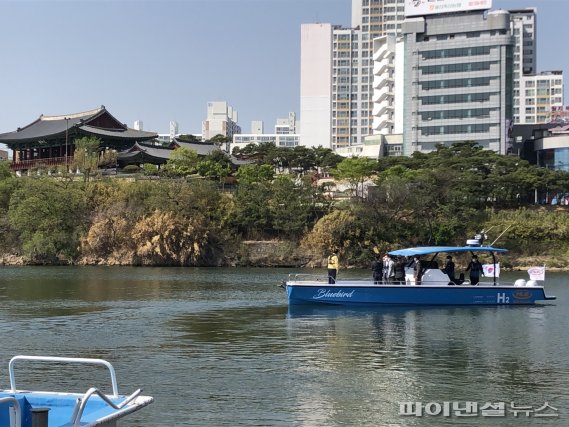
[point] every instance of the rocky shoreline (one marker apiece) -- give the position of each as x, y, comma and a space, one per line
276, 254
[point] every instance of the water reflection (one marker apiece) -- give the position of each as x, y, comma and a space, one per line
225, 344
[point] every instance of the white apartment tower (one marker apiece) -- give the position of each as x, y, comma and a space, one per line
221, 120
138, 125
378, 18
523, 25
540, 95
337, 74
316, 85
286, 126
173, 129
536, 94
388, 57
257, 127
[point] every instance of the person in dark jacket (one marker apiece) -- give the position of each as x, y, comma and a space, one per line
475, 269
417, 270
449, 268
400, 270
377, 269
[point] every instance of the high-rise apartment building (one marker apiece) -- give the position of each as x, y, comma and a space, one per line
286, 126
316, 84
536, 94
337, 73
539, 95
378, 18
221, 120
138, 125
458, 71
173, 129
523, 25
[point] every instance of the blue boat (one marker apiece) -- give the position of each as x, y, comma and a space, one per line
435, 287
23, 408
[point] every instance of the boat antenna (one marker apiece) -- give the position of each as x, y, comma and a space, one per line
501, 234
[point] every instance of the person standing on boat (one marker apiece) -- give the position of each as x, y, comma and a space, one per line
475, 269
333, 267
377, 269
385, 268
417, 270
449, 268
399, 270
390, 269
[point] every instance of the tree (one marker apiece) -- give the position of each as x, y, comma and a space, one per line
183, 162
248, 174
355, 170
188, 138
86, 155
219, 139
290, 206
251, 216
5, 171
49, 218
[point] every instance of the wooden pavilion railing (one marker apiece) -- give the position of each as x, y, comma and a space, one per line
38, 163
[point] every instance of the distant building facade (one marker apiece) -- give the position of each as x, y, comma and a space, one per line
138, 125
221, 120
539, 95
3, 155
173, 129
280, 140
286, 126
458, 80
337, 73
257, 127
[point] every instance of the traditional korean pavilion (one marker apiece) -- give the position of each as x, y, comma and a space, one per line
48, 141
141, 153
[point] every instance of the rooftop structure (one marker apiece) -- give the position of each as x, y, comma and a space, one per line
49, 140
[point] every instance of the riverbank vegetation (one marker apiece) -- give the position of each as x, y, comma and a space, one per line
279, 199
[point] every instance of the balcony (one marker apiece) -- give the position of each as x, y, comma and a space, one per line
38, 163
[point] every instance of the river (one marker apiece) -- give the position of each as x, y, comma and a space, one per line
219, 347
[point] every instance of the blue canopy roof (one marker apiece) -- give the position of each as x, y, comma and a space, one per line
425, 250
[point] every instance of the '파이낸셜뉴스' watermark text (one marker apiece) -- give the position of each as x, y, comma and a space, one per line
474, 409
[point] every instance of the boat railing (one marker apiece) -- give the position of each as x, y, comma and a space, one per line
82, 403
76, 360
17, 409
302, 277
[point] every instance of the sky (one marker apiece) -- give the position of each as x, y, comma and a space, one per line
158, 61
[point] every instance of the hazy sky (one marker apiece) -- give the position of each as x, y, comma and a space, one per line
158, 61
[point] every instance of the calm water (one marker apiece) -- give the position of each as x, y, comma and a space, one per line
219, 347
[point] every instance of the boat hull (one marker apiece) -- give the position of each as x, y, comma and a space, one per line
369, 294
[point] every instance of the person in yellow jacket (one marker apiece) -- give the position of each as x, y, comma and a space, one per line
333, 267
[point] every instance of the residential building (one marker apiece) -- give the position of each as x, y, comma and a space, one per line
221, 120
316, 84
287, 125
540, 95
138, 125
337, 73
280, 140
388, 85
173, 129
458, 72
377, 18
257, 127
